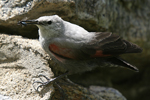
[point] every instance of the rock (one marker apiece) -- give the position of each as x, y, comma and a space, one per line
108, 93
22, 60
4, 97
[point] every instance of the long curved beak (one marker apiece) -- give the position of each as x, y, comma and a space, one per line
28, 22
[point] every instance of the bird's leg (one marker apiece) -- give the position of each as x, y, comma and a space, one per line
61, 91
49, 81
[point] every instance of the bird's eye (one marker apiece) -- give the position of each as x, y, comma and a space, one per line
49, 22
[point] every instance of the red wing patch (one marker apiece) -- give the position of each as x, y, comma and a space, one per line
99, 53
61, 53
64, 52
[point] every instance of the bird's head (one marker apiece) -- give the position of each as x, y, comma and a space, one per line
49, 26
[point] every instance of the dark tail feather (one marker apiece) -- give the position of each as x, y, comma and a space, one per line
132, 48
121, 62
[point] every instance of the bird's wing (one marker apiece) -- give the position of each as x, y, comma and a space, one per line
106, 43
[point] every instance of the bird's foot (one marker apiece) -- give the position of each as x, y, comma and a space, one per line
42, 83
49, 81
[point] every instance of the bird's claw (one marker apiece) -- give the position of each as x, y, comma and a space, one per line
48, 80
42, 83
41, 75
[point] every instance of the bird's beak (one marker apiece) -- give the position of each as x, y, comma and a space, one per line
28, 22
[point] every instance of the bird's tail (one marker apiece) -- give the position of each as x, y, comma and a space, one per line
123, 63
132, 48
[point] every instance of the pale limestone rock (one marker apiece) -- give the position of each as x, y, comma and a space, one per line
22, 60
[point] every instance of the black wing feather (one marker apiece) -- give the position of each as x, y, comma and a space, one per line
111, 44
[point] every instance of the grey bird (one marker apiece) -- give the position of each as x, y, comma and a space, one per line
76, 50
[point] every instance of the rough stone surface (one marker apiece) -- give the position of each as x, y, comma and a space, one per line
106, 92
22, 60
4, 97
